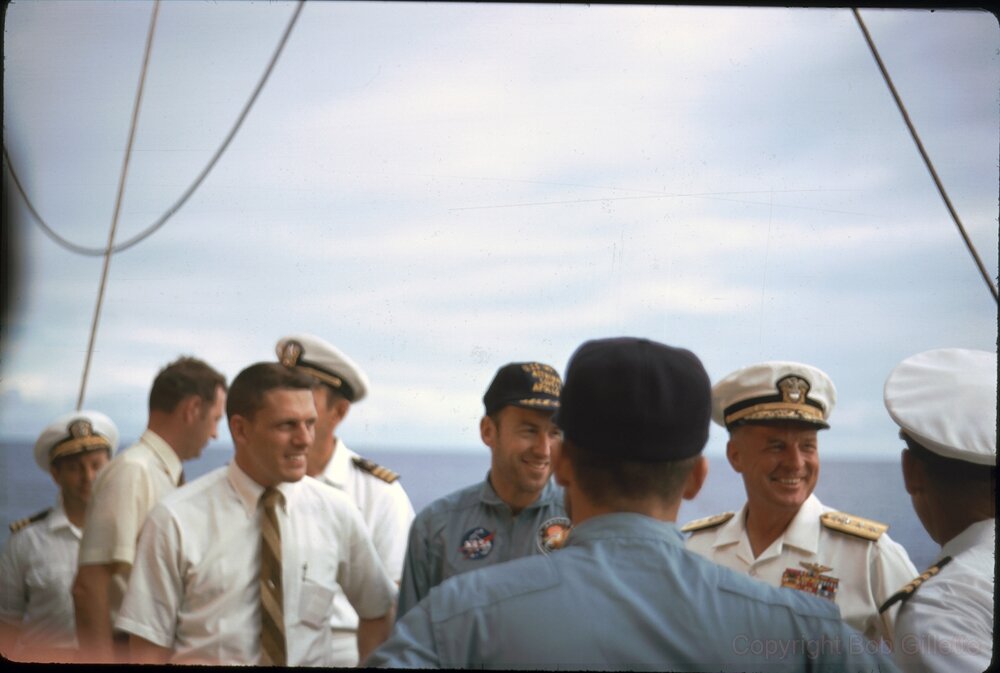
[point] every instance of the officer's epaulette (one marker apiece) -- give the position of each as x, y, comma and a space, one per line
853, 525
27, 521
904, 594
707, 522
383, 473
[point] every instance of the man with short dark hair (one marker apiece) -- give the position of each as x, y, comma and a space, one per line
784, 535
944, 402
185, 404
624, 594
240, 567
517, 511
38, 563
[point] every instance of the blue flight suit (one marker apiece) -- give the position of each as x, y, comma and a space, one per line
471, 529
623, 594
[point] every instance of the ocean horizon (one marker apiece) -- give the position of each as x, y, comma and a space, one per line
871, 488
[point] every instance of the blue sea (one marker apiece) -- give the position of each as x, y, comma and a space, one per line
871, 489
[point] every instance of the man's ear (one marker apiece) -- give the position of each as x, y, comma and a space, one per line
733, 455
695, 479
342, 406
190, 408
914, 473
238, 429
488, 431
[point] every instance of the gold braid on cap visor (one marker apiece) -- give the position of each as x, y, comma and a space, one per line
777, 411
73, 445
328, 378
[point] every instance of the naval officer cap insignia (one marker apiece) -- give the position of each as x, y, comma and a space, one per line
324, 362
635, 400
946, 401
74, 433
531, 385
773, 392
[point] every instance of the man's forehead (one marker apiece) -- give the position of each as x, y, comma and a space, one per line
524, 415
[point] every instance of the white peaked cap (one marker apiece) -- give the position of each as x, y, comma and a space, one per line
73, 433
325, 362
946, 400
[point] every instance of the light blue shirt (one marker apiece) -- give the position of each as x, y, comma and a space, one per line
472, 529
623, 594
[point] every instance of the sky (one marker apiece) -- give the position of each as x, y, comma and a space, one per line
440, 189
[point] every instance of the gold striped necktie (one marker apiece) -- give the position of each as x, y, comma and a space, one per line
273, 651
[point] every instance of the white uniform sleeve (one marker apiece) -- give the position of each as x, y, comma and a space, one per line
155, 587
891, 570
389, 520
13, 591
361, 574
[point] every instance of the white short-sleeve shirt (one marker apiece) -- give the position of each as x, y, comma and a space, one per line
37, 567
869, 572
947, 623
125, 490
194, 585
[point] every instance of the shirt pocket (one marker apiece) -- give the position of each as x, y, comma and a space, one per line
315, 603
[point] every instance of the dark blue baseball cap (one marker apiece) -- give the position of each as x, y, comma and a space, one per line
635, 399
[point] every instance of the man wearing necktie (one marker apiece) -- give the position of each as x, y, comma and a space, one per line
240, 567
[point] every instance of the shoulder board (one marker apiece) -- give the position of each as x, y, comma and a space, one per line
383, 473
904, 594
707, 522
853, 525
27, 521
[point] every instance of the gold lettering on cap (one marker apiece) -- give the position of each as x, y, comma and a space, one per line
545, 379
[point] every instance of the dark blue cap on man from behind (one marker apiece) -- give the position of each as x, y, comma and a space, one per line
635, 400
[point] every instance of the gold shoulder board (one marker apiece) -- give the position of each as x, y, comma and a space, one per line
383, 473
27, 521
707, 522
853, 525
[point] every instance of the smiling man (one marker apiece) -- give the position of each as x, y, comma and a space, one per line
784, 535
517, 511
241, 566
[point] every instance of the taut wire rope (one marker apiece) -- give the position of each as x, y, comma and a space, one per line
118, 203
927, 159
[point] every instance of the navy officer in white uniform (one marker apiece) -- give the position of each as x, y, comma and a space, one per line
624, 594
517, 511
945, 403
377, 490
784, 535
38, 562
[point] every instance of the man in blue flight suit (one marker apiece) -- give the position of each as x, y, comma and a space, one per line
517, 511
624, 593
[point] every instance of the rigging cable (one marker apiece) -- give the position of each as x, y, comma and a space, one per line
118, 202
927, 160
121, 247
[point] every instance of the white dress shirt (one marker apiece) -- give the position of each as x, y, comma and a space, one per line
37, 568
946, 625
868, 572
194, 586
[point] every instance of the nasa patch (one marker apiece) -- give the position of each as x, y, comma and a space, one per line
552, 534
477, 544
